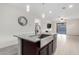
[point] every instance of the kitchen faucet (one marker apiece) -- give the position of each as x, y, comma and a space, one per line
37, 29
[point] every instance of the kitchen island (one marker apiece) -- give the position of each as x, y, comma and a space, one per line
43, 44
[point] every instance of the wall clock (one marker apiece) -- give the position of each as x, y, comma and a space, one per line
22, 20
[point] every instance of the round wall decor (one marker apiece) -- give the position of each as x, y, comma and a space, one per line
22, 20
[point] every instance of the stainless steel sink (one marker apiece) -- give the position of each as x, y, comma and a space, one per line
40, 36
43, 36
32, 35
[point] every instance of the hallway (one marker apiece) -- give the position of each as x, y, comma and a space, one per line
67, 45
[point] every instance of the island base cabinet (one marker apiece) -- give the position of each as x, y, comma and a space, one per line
29, 48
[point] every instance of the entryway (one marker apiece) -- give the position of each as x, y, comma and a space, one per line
61, 28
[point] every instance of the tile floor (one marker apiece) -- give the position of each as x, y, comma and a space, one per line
67, 45
10, 50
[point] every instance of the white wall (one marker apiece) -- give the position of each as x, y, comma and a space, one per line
54, 27
9, 24
44, 25
73, 27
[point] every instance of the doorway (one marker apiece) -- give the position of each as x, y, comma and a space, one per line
61, 28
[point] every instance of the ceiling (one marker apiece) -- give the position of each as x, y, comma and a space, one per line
36, 10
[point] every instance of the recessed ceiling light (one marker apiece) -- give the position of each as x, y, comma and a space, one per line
27, 8
50, 12
43, 15
70, 6
61, 19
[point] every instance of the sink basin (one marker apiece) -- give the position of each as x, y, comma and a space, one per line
43, 36
32, 35
40, 36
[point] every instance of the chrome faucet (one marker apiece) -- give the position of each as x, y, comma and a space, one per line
37, 29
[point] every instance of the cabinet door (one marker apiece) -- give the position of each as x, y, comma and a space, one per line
44, 51
50, 50
29, 48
